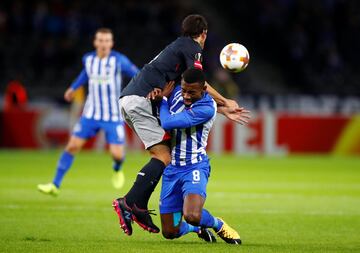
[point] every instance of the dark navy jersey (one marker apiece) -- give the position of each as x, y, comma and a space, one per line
168, 65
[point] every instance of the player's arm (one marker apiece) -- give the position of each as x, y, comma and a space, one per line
187, 118
79, 81
127, 67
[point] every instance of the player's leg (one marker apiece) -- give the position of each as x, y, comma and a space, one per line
136, 200
196, 215
65, 161
72, 148
118, 154
115, 136
172, 227
83, 130
171, 205
149, 176
194, 189
137, 111
147, 179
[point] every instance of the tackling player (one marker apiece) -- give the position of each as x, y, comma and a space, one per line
102, 73
190, 114
139, 112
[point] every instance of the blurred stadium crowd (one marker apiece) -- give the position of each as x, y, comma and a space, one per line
296, 46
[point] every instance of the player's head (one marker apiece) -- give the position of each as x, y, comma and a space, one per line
195, 26
192, 85
103, 41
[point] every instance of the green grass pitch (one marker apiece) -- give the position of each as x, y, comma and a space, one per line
295, 204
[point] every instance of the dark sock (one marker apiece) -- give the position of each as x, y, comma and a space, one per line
117, 165
145, 183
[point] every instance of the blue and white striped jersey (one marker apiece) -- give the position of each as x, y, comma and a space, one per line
190, 127
104, 77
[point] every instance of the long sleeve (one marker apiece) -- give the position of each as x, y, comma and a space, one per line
187, 118
80, 80
127, 67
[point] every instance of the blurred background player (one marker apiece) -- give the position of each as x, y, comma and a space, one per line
102, 72
138, 111
190, 114
77, 105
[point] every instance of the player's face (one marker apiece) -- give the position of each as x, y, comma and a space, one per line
103, 43
203, 37
191, 92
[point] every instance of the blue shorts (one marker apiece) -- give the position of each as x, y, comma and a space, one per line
178, 182
87, 128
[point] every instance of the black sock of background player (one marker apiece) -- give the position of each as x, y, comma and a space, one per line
145, 183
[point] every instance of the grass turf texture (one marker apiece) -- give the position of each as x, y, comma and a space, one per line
296, 204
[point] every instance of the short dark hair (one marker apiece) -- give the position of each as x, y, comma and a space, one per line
194, 25
193, 75
103, 30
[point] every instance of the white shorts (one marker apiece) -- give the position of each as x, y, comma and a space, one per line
137, 113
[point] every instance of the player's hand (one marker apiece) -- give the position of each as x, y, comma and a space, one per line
169, 87
238, 115
155, 94
69, 94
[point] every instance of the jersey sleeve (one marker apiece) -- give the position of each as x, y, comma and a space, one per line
81, 79
187, 118
127, 67
193, 57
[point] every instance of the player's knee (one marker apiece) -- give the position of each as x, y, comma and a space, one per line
164, 157
72, 148
117, 156
170, 234
166, 160
192, 218
162, 153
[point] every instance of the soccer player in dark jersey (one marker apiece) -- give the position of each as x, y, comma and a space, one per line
139, 113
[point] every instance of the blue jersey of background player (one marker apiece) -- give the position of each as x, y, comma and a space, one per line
102, 72
189, 114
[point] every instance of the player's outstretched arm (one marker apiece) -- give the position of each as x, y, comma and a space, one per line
228, 107
219, 99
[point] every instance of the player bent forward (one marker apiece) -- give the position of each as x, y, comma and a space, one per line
138, 111
189, 113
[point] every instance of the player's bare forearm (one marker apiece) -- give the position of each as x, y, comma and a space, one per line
219, 99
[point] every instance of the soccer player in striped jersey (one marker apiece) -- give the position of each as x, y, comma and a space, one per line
102, 72
189, 113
